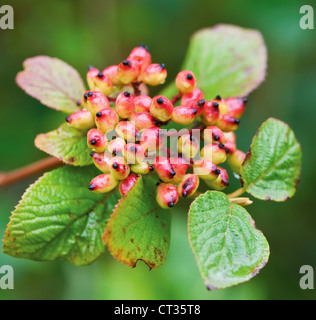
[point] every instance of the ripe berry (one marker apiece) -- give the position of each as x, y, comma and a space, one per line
92, 73
126, 130
236, 160
210, 113
127, 184
221, 182
103, 183
230, 136
119, 168
191, 98
103, 83
134, 153
230, 147
154, 75
142, 168
81, 119
188, 185
95, 101
116, 146
102, 161
142, 103
188, 145
183, 115
164, 169
141, 55
161, 108
180, 167
128, 71
152, 139
205, 169
185, 81
143, 120
167, 195
236, 106
214, 152
124, 104
199, 107
111, 72
106, 119
227, 123
96, 140
213, 134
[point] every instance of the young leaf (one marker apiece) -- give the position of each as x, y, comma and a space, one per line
272, 166
139, 229
53, 82
58, 217
226, 60
67, 144
227, 246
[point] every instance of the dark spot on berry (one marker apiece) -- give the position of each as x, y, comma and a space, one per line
93, 141
138, 135
100, 75
85, 96
194, 111
160, 101
184, 194
172, 173
185, 185
162, 66
217, 171
90, 94
237, 121
218, 97
114, 152
221, 146
99, 114
78, 103
189, 76
91, 187
227, 150
170, 204
151, 168
216, 138
216, 104
68, 119
91, 154
191, 138
126, 63
127, 93
201, 102
132, 148
114, 165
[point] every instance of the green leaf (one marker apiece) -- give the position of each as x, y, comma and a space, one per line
139, 229
59, 218
271, 170
227, 246
53, 82
67, 144
226, 60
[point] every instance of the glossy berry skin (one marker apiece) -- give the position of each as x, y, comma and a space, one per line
111, 72
191, 98
116, 146
81, 119
134, 153
141, 55
126, 185
95, 101
214, 152
119, 168
152, 139
183, 115
143, 120
188, 185
91, 74
128, 71
102, 160
230, 148
227, 123
213, 134
126, 130
236, 106
142, 103
185, 81
230, 136
222, 106
103, 183
96, 140
164, 169
161, 108
236, 160
205, 169
106, 119
124, 104
180, 167
188, 146
103, 83
142, 168
154, 75
167, 195
221, 182
199, 107
210, 113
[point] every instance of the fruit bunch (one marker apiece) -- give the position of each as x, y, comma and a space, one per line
125, 134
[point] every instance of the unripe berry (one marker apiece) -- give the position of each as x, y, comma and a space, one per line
116, 146
143, 120
214, 152
188, 185
191, 98
134, 153
167, 195
152, 139
92, 73
227, 123
128, 71
180, 167
222, 106
96, 140
95, 101
126, 130
221, 182
213, 134
205, 169
119, 168
230, 136
124, 104
142, 103
111, 72
142, 168
185, 81
230, 148
161, 108
103, 183
210, 113
188, 145
141, 55
127, 184
154, 75
82, 119
106, 119
183, 115
236, 160
103, 83
101, 161
236, 106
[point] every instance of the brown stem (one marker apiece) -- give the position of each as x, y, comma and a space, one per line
176, 98
29, 170
136, 85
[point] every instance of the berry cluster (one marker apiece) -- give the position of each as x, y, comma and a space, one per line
124, 130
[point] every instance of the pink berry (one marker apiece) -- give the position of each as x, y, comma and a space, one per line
185, 81
106, 119
116, 146
236, 160
152, 139
154, 75
214, 152
101, 161
92, 73
81, 119
221, 182
141, 55
95, 101
161, 108
103, 83
124, 104
111, 72
103, 183
213, 134
183, 115
191, 98
127, 184
227, 122
188, 145
236, 106
210, 113
96, 140
134, 153
167, 195
127, 131
188, 185
143, 120
142, 103
205, 169
119, 168
128, 71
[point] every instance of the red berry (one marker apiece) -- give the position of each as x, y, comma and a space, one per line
124, 104
128, 71
183, 115
188, 185
143, 120
154, 75
96, 140
210, 113
127, 184
119, 168
152, 139
222, 106
188, 145
142, 103
230, 147
213, 134
111, 72
221, 182
103, 83
191, 98
214, 152
141, 55
126, 130
230, 136
92, 73
101, 160
185, 81
81, 119
134, 153
227, 123
167, 195
116, 146
206, 169
179, 166
103, 183
161, 108
95, 101
164, 169
106, 119
236, 106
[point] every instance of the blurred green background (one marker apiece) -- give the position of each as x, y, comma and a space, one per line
102, 33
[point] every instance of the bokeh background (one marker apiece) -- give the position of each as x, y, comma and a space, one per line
102, 33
